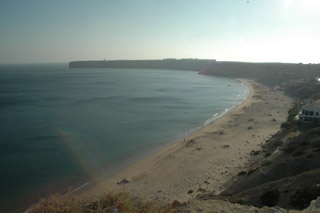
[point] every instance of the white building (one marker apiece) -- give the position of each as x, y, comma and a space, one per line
309, 114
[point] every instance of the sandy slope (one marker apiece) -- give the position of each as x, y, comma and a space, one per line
209, 157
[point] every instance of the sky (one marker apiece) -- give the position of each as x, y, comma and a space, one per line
38, 31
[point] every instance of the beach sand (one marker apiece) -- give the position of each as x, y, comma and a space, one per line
208, 158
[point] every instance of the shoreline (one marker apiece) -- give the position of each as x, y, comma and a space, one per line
136, 158
204, 160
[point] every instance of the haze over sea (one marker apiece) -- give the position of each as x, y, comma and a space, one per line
63, 127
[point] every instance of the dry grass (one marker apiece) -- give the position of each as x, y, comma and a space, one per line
114, 203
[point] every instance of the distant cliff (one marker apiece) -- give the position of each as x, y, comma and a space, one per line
297, 80
176, 64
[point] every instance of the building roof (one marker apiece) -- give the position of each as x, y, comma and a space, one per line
311, 107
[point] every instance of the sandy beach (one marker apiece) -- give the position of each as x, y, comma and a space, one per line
208, 158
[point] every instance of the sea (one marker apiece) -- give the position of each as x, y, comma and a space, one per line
60, 128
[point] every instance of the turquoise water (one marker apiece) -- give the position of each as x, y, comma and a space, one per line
62, 127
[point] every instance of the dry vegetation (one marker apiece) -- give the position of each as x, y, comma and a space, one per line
111, 202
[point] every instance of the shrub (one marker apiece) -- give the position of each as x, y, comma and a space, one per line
266, 163
110, 202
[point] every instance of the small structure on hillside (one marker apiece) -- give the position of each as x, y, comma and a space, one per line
309, 114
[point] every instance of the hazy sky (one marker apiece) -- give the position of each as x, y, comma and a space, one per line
240, 30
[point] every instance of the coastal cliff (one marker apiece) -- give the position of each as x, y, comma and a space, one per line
175, 64
296, 79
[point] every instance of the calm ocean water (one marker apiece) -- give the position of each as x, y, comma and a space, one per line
61, 127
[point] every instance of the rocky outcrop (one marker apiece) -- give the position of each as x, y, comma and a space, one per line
314, 205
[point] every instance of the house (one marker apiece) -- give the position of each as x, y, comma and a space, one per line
309, 114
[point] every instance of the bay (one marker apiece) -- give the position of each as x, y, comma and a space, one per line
63, 127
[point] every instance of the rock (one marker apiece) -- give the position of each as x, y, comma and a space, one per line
252, 171
114, 210
201, 190
124, 181
176, 204
254, 152
190, 191
275, 209
314, 205
190, 143
242, 173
